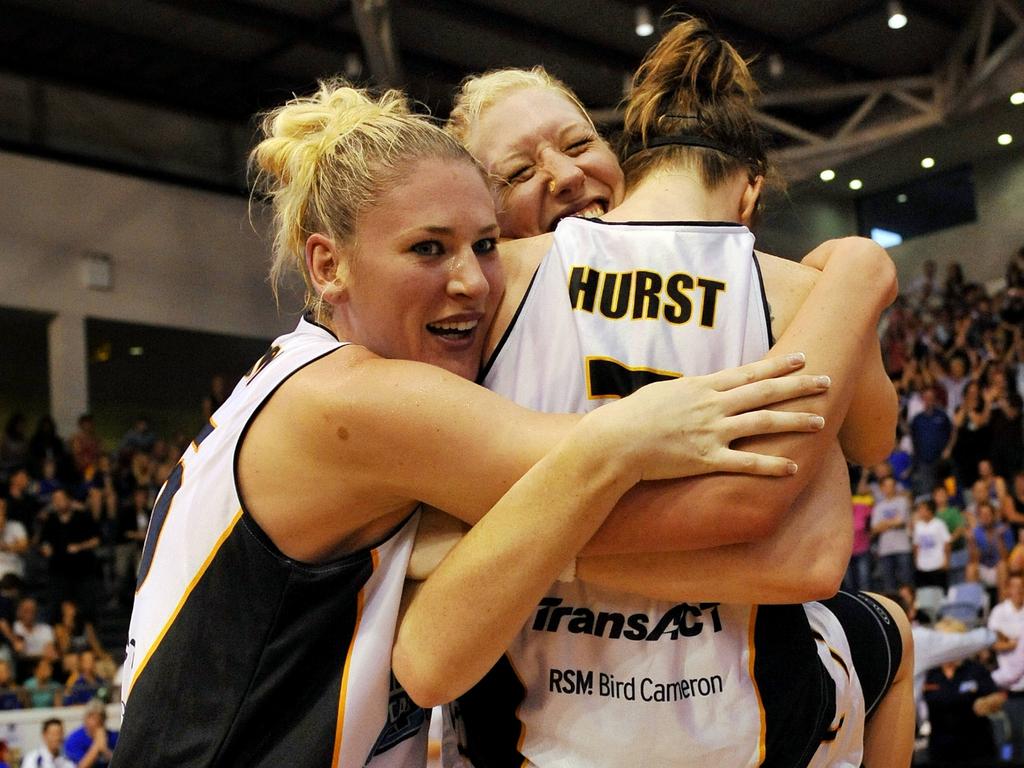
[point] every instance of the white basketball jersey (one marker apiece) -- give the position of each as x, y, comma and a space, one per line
599, 678
645, 301
238, 655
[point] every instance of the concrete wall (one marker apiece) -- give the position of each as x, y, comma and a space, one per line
179, 258
796, 224
984, 247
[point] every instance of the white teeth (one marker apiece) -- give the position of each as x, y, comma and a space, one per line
467, 325
592, 211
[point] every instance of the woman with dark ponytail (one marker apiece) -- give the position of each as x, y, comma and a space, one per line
649, 668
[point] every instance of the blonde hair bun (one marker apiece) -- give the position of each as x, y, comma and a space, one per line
324, 158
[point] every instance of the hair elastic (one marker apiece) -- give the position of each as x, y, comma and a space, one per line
686, 140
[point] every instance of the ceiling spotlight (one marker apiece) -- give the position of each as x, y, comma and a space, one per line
1017, 98
897, 19
644, 27
776, 66
901, 197
827, 175
856, 184
1005, 139
927, 162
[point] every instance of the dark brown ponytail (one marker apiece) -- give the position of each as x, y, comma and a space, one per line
692, 102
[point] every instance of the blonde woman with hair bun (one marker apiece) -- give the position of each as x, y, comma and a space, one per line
661, 281
270, 581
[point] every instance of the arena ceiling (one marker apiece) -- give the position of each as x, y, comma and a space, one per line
170, 86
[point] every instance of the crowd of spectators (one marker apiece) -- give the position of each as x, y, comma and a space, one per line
942, 521
90, 746
948, 505
73, 520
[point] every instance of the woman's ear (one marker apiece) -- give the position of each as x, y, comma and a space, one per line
324, 265
748, 200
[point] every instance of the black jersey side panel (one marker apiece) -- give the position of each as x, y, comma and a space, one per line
253, 661
490, 732
765, 306
875, 643
797, 694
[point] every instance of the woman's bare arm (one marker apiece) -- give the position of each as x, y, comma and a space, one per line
538, 526
836, 325
804, 560
370, 437
869, 429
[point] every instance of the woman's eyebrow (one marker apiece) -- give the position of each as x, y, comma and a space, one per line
573, 127
513, 158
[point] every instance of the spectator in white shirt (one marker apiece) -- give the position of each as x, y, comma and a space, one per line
36, 635
13, 544
1007, 618
932, 544
51, 754
31, 639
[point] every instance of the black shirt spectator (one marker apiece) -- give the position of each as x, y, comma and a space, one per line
13, 443
68, 540
959, 731
22, 505
47, 444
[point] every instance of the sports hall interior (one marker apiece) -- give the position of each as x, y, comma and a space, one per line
133, 256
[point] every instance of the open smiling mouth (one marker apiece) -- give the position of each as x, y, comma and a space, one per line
592, 210
453, 331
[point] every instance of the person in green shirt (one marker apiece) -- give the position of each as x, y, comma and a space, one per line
41, 688
953, 517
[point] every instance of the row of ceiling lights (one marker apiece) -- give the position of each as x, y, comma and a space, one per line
1004, 140
645, 25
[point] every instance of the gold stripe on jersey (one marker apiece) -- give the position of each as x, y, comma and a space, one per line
762, 736
833, 653
834, 729
195, 444
360, 601
184, 598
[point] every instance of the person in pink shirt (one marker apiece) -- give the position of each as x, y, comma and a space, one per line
858, 574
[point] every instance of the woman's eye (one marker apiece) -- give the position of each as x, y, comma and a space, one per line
486, 245
520, 175
578, 147
428, 248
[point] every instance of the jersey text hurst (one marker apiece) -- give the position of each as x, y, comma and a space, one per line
644, 295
